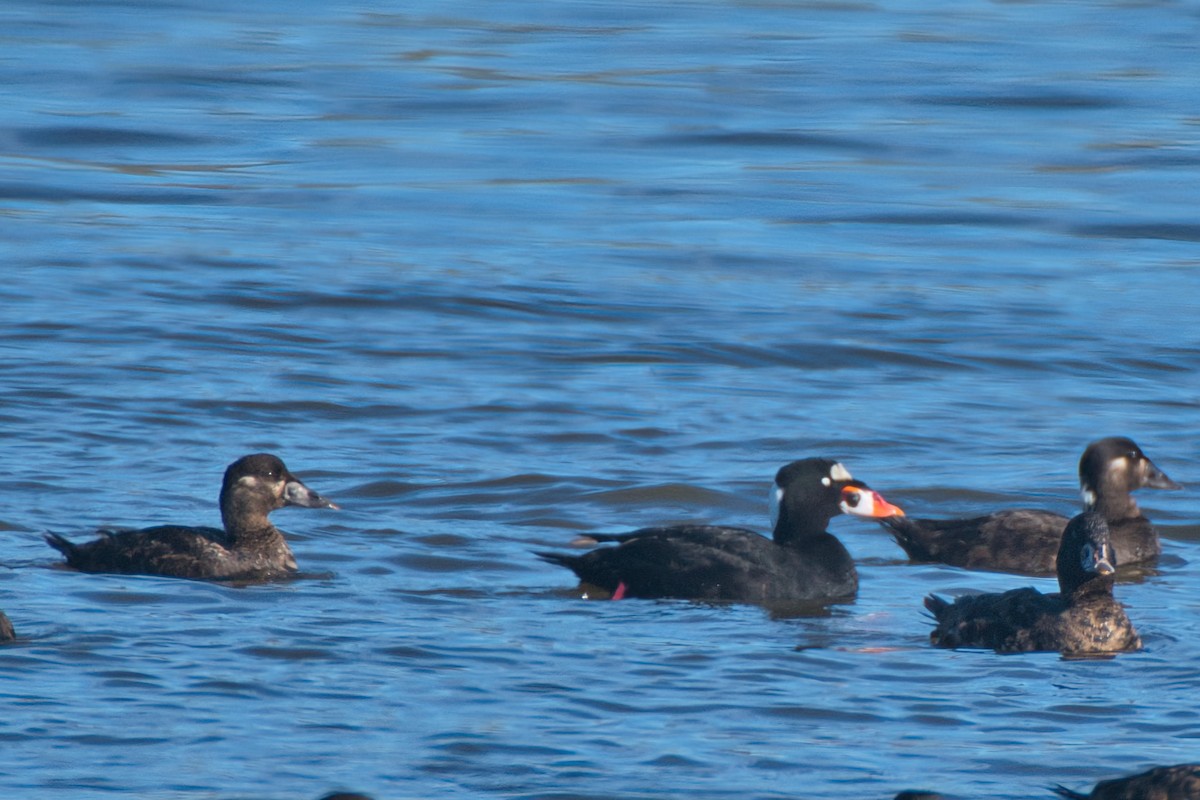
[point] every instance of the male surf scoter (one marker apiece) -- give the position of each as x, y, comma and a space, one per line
1081, 619
1026, 540
1180, 782
707, 562
249, 548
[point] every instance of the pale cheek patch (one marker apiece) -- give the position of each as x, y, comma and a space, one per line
248, 480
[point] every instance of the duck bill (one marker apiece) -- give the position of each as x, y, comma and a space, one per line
296, 493
1099, 563
1157, 479
863, 502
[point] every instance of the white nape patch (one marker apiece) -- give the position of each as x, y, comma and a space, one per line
1089, 497
776, 498
839, 473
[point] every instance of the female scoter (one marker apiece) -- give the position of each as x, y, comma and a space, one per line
249, 548
1026, 540
1083, 618
708, 562
1180, 782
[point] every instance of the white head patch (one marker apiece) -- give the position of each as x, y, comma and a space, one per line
776, 498
839, 473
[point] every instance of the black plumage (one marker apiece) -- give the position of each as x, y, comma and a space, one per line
705, 562
248, 548
1082, 618
7, 633
1026, 540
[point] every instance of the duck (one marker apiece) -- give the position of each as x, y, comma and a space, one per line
1178, 782
7, 632
1082, 618
801, 562
1025, 541
249, 547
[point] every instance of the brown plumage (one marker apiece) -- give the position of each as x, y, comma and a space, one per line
1026, 540
1180, 782
1082, 618
249, 547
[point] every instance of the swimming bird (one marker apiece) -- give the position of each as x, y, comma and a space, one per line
708, 562
1082, 618
249, 547
1026, 540
1180, 782
7, 634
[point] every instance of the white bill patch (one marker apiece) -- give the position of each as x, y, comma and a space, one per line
864, 505
839, 473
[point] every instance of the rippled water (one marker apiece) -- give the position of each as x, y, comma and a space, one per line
490, 275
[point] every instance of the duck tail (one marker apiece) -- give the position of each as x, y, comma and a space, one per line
64, 546
560, 559
1063, 791
936, 605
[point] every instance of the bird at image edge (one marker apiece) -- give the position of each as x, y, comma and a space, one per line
801, 562
1179, 782
248, 548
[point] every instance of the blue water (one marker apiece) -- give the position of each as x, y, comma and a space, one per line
494, 274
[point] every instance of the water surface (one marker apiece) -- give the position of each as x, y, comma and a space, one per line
492, 275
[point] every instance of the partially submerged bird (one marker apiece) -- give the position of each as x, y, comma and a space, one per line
707, 562
1180, 782
7, 634
1026, 540
249, 547
1083, 618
